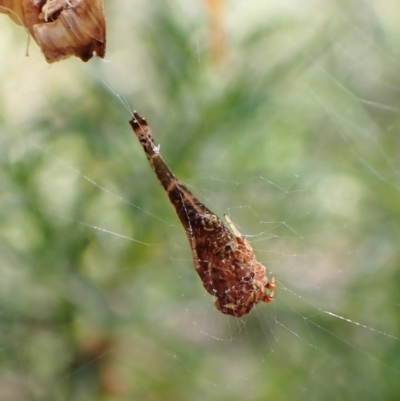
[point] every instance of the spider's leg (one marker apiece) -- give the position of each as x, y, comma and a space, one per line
192, 241
271, 283
234, 229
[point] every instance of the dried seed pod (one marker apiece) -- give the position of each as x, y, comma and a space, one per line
62, 28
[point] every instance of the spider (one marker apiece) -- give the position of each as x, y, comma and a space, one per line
223, 258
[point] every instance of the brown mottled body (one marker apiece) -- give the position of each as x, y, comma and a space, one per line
224, 260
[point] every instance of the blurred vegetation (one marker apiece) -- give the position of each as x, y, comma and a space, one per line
294, 132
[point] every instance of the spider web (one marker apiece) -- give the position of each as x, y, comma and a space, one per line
296, 140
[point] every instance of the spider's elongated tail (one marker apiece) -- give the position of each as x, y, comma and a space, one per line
152, 151
183, 200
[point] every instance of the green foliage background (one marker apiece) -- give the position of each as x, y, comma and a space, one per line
295, 134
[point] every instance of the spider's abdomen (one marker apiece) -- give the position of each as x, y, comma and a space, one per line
226, 268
